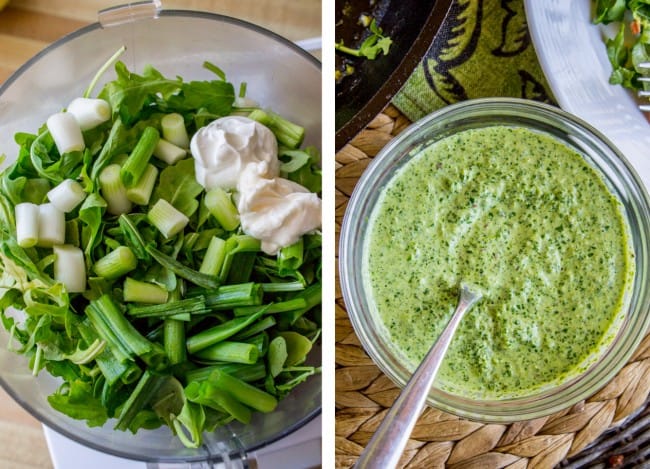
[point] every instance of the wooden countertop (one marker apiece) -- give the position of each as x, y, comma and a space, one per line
26, 27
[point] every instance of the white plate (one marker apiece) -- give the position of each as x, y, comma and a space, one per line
571, 51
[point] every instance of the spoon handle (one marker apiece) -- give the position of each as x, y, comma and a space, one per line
386, 446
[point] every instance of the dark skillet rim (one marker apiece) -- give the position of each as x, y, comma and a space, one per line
398, 76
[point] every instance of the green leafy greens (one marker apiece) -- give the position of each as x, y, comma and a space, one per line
375, 44
163, 364
626, 55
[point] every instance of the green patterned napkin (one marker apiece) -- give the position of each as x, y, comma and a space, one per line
483, 49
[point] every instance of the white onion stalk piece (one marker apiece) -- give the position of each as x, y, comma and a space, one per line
67, 195
174, 131
114, 191
168, 152
70, 268
167, 218
66, 132
90, 112
27, 224
51, 225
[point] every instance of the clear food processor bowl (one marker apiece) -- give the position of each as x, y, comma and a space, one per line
279, 75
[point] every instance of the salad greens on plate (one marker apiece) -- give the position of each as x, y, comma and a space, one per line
630, 47
175, 317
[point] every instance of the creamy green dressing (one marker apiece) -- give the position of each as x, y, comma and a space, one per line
526, 218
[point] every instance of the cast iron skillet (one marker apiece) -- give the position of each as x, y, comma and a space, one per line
412, 25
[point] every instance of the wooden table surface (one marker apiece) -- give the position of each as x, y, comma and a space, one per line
26, 27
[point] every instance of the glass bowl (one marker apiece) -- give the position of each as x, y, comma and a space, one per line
279, 75
618, 175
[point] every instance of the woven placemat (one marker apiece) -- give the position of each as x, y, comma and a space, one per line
605, 430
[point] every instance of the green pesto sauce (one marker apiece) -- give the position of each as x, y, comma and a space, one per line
526, 218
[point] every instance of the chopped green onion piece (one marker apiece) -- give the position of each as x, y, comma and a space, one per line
280, 307
116, 263
234, 245
174, 341
248, 373
290, 258
144, 292
194, 276
168, 152
132, 237
206, 394
140, 193
219, 333
227, 351
195, 305
27, 224
145, 389
286, 132
261, 341
174, 131
276, 287
70, 268
89, 112
67, 195
66, 132
51, 226
136, 164
119, 332
113, 190
244, 392
220, 205
263, 324
229, 296
312, 295
102, 70
166, 218
214, 257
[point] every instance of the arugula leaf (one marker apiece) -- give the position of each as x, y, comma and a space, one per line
178, 186
129, 93
75, 399
215, 97
35, 190
309, 175
618, 54
608, 11
372, 46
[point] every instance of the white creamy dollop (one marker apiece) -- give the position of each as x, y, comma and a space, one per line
239, 153
276, 211
223, 148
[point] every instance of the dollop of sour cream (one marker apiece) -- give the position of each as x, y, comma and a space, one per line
276, 211
223, 148
235, 152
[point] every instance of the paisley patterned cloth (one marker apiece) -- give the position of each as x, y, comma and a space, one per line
482, 49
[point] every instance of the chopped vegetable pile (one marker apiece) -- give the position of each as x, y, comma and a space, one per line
122, 277
631, 45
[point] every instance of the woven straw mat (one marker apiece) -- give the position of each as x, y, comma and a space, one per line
439, 439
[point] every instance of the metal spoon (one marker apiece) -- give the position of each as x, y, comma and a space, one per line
385, 448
